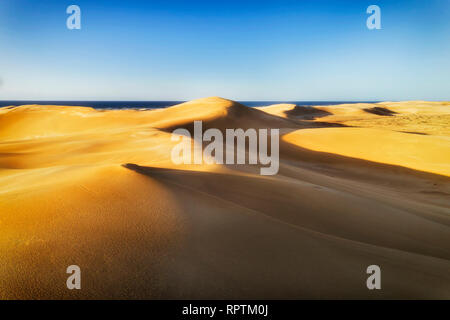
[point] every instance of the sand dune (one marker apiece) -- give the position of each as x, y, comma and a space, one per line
358, 185
420, 117
419, 152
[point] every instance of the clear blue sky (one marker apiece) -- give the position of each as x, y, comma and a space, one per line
242, 50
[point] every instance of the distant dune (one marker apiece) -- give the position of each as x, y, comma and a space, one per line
359, 184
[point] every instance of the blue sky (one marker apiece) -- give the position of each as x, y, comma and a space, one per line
242, 50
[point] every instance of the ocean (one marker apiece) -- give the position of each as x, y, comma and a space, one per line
157, 104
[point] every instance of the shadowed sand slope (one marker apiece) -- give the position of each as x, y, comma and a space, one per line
98, 189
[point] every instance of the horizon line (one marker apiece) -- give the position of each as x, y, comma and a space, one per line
251, 100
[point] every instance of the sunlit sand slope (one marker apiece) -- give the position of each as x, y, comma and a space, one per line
420, 152
98, 189
412, 134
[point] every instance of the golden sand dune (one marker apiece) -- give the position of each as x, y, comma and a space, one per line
420, 152
98, 189
419, 117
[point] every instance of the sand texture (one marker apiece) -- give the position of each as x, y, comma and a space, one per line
358, 184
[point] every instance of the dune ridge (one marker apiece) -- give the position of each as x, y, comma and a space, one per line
358, 184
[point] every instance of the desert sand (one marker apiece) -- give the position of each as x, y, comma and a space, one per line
358, 184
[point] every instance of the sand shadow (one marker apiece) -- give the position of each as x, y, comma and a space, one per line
300, 205
415, 132
306, 113
380, 111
